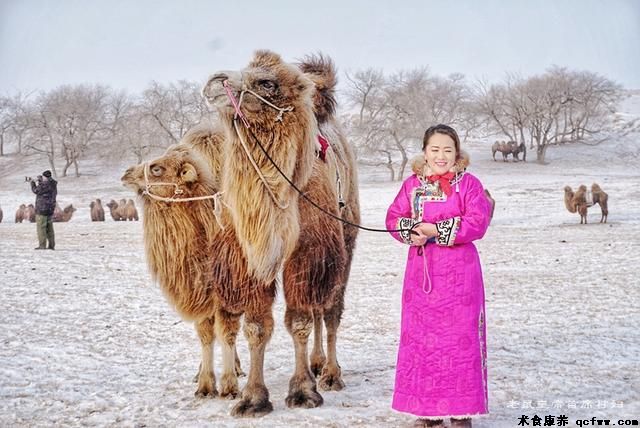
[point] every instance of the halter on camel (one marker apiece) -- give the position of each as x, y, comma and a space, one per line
239, 114
217, 207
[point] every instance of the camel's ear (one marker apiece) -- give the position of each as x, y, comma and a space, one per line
188, 173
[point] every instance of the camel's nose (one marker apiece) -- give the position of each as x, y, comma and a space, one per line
128, 174
214, 85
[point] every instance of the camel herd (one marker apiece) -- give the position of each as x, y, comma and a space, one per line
120, 211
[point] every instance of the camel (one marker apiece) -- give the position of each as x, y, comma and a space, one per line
201, 268
117, 211
130, 211
601, 198
20, 213
492, 202
97, 212
30, 213
289, 110
509, 148
64, 215
581, 200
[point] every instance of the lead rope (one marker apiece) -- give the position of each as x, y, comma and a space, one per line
238, 113
426, 278
217, 201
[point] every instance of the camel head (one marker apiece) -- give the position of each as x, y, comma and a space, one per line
69, 209
112, 204
267, 79
178, 173
322, 72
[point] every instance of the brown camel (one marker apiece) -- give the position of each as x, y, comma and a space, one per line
509, 148
20, 213
202, 270
275, 228
97, 212
30, 213
581, 200
116, 211
601, 198
130, 211
64, 215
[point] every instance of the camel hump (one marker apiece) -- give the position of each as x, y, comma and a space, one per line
322, 72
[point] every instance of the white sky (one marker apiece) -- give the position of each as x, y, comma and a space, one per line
126, 44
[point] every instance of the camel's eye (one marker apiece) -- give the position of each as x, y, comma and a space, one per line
157, 170
268, 85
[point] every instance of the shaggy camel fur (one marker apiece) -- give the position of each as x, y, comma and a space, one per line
202, 270
20, 213
581, 200
64, 215
97, 212
276, 228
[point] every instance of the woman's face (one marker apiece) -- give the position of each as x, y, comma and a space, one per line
440, 153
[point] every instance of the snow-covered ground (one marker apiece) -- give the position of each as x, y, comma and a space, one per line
88, 340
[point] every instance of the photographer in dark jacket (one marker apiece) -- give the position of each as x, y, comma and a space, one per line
46, 190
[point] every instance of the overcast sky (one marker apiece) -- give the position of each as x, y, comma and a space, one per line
127, 43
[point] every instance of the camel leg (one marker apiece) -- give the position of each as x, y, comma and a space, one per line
239, 371
302, 386
206, 376
331, 377
318, 358
258, 326
227, 326
605, 213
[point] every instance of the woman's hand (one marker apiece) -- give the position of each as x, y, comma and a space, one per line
424, 232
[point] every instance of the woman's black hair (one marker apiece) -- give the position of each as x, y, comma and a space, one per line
445, 130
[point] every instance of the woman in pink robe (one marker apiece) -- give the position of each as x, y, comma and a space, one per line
441, 369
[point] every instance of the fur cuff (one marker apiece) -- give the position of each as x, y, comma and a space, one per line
447, 230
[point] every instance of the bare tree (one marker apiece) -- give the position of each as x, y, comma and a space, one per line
173, 108
70, 120
557, 107
391, 113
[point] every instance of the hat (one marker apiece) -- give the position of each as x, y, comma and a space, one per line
47, 174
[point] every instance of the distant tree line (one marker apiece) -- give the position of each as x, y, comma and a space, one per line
385, 115
388, 114
73, 123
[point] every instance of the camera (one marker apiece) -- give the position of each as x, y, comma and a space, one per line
28, 179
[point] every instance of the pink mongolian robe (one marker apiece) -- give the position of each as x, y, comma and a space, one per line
441, 369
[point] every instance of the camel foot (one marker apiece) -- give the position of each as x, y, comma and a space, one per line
229, 387
206, 392
331, 380
303, 393
317, 363
304, 399
254, 404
